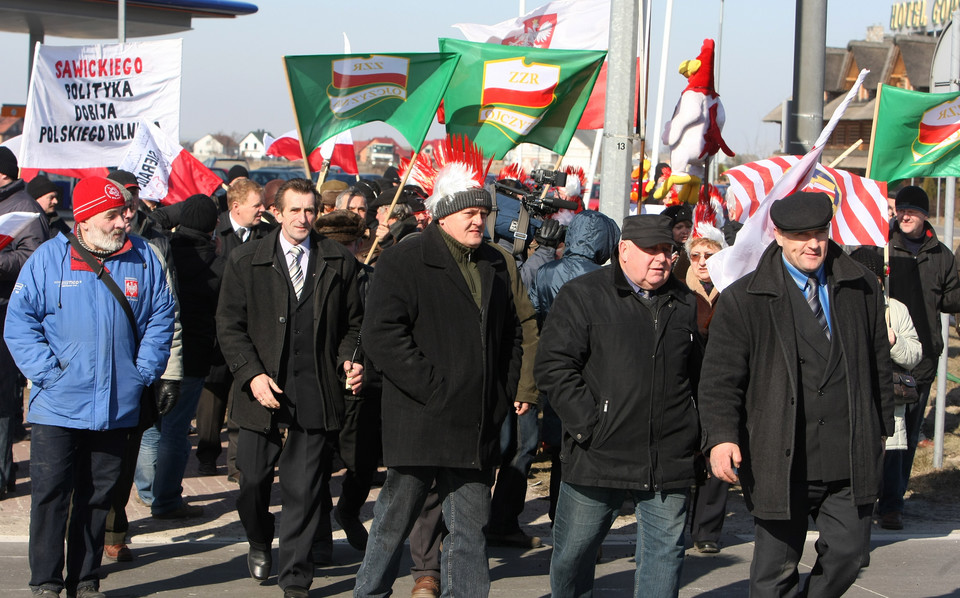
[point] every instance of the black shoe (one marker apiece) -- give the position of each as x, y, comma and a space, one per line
87, 592
259, 562
356, 534
234, 477
517, 539
206, 468
295, 592
707, 547
184, 511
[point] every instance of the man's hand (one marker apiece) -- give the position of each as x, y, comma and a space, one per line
521, 408
168, 392
891, 336
550, 234
354, 372
264, 390
724, 461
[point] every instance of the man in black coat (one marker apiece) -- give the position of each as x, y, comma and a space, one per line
796, 400
923, 276
442, 327
288, 324
618, 360
242, 222
13, 198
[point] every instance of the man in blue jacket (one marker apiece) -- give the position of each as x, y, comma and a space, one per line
89, 362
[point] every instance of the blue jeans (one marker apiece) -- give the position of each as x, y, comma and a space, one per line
164, 450
584, 516
897, 465
65, 464
465, 495
518, 445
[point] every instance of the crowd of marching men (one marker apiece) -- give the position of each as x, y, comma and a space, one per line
340, 321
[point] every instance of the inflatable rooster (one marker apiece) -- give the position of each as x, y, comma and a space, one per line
693, 134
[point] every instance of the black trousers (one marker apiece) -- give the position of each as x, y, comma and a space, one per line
360, 449
304, 458
844, 539
427, 536
708, 510
211, 412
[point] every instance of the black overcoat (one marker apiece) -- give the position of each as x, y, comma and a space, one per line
750, 378
252, 326
450, 369
623, 382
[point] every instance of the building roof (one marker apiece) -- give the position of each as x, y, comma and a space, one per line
875, 56
917, 52
97, 19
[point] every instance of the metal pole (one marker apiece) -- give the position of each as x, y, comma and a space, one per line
617, 125
658, 116
121, 21
713, 164
948, 212
808, 59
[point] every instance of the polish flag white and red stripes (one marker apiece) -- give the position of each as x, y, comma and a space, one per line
13, 223
338, 150
167, 173
860, 203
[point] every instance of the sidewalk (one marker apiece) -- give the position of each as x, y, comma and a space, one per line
206, 556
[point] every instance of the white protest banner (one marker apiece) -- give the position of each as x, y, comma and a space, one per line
85, 102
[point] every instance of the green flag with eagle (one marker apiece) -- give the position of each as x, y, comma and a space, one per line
916, 134
336, 92
501, 96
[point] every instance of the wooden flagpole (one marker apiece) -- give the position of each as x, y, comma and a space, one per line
845, 153
396, 197
886, 248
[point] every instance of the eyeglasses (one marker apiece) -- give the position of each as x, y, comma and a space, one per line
695, 257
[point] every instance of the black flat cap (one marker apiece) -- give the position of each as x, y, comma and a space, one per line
801, 212
124, 179
679, 213
647, 230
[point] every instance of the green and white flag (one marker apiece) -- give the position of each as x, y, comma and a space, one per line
336, 92
916, 134
501, 96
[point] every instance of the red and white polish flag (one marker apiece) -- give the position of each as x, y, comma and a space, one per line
12, 224
338, 150
167, 173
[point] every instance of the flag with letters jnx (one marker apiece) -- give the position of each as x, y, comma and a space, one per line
334, 93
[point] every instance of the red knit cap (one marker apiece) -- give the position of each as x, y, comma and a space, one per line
94, 195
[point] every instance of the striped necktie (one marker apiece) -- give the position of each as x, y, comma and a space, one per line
296, 272
813, 300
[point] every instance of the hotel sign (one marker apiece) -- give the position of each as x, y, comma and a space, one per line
921, 16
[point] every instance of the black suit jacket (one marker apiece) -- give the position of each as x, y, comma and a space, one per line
253, 317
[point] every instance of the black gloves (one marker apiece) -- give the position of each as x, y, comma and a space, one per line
168, 391
551, 233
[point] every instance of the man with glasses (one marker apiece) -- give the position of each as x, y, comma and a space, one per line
619, 347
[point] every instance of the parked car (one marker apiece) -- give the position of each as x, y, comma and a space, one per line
265, 175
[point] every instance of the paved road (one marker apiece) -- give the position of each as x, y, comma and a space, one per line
207, 557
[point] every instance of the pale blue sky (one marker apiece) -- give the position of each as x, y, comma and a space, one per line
233, 77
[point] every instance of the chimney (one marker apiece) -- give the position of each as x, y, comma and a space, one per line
875, 33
